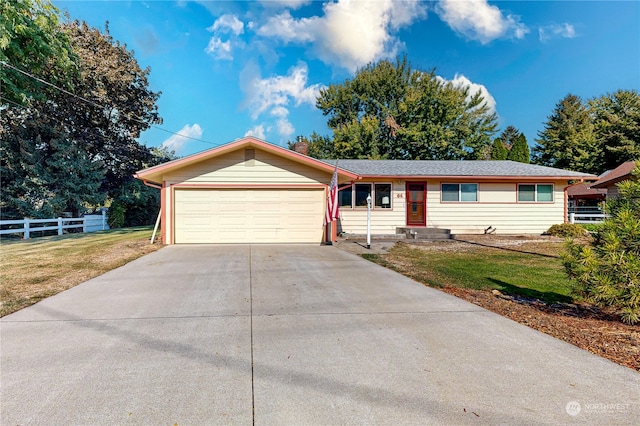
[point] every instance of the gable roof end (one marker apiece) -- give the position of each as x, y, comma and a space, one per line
155, 173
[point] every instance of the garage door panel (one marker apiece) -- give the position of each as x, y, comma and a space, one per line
248, 215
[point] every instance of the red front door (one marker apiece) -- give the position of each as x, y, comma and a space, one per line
416, 204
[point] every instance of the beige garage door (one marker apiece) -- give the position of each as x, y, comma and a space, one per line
248, 215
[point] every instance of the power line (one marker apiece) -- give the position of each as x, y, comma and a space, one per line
95, 104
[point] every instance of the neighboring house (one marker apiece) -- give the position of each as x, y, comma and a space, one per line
250, 191
610, 179
585, 199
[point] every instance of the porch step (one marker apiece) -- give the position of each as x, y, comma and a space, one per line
425, 233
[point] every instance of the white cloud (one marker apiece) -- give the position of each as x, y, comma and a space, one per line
219, 49
291, 4
177, 141
477, 20
285, 128
461, 81
226, 24
553, 31
276, 94
258, 132
351, 33
278, 91
279, 111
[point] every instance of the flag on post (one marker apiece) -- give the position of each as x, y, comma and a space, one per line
332, 200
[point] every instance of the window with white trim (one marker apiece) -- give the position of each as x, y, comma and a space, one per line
356, 195
459, 192
535, 193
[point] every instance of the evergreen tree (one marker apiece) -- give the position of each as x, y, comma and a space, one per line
607, 271
568, 140
498, 151
616, 119
520, 150
509, 136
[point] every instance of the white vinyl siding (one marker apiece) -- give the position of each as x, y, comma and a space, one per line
235, 167
498, 207
249, 215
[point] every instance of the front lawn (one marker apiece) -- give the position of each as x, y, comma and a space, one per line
512, 269
41, 267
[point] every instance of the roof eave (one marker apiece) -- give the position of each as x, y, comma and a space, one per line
475, 177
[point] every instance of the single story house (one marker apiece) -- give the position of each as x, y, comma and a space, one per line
609, 179
251, 191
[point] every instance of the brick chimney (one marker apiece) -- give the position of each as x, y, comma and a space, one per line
301, 146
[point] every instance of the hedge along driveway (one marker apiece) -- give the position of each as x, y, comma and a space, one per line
37, 268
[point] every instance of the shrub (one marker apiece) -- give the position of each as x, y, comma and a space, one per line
591, 227
116, 215
135, 205
607, 271
566, 230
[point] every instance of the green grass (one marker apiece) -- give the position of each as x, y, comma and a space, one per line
41, 267
512, 272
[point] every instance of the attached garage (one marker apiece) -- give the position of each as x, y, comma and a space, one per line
279, 215
244, 192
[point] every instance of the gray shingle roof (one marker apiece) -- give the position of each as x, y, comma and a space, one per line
426, 168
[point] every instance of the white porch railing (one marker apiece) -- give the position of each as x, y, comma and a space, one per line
587, 218
89, 223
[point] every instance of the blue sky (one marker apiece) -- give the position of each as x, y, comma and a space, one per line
230, 69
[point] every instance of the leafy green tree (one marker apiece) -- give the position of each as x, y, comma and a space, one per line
122, 104
568, 140
391, 111
95, 130
607, 271
31, 39
520, 150
617, 127
498, 151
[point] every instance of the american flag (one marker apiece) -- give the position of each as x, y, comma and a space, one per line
332, 201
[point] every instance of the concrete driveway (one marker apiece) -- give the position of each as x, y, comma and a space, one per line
289, 335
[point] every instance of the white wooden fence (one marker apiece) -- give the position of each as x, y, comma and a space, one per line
88, 223
587, 218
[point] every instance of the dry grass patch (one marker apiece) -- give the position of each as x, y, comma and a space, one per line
36, 269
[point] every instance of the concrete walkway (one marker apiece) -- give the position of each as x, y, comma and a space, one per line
289, 335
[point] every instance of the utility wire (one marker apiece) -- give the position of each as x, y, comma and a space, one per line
95, 104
